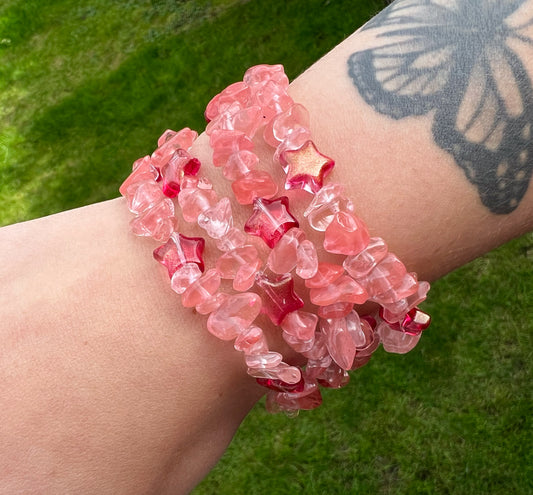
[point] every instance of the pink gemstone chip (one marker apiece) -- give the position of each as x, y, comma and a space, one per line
306, 260
194, 201
184, 277
143, 195
326, 273
340, 342
300, 324
217, 219
362, 264
343, 289
270, 220
394, 341
239, 164
234, 316
346, 234
325, 203
284, 255
251, 341
158, 221
415, 321
254, 185
143, 171
201, 290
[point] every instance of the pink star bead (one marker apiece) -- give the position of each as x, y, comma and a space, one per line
343, 289
234, 316
157, 221
201, 290
346, 234
180, 250
306, 167
270, 220
255, 184
279, 296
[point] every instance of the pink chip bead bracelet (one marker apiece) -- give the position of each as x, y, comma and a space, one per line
328, 334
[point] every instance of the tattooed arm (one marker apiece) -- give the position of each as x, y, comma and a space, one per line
427, 111
430, 106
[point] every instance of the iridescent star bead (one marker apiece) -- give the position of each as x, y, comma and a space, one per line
270, 219
306, 167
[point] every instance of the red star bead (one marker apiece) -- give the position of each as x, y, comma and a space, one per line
270, 219
278, 296
179, 250
306, 167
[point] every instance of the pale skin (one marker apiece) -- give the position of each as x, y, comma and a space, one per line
108, 385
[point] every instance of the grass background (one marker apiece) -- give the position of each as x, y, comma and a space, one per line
86, 87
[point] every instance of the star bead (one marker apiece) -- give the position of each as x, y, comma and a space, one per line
180, 250
306, 167
270, 219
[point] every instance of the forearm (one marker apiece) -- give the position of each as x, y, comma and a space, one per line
104, 372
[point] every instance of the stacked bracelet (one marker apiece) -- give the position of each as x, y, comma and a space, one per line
333, 338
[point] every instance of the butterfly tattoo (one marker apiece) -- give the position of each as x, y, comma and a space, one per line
462, 62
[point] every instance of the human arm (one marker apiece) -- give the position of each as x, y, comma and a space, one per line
107, 300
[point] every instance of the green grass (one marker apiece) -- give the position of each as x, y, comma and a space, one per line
87, 87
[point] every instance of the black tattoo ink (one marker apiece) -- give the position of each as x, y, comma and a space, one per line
458, 58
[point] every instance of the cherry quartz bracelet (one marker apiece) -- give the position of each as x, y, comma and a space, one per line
343, 340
